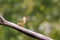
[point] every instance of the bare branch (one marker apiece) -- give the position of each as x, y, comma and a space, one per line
24, 30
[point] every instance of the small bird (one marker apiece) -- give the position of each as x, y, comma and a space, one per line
22, 21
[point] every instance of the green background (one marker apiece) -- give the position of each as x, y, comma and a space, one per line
43, 17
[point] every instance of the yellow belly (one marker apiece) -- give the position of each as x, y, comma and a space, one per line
20, 23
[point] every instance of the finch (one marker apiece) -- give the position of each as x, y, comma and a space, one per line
22, 21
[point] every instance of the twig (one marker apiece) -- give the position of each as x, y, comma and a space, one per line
23, 30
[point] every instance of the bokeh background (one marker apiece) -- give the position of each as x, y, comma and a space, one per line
43, 17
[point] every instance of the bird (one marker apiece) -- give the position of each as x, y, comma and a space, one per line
22, 21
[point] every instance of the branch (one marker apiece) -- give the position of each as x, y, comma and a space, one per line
23, 30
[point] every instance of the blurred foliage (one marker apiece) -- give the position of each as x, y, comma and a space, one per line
43, 17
